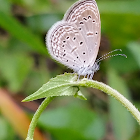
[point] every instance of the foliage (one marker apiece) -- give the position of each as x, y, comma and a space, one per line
25, 66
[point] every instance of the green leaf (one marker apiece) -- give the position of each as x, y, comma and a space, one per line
5, 6
14, 27
6, 130
134, 48
3, 128
62, 85
38, 22
123, 122
14, 68
129, 6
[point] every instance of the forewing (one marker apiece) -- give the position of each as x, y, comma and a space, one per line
85, 16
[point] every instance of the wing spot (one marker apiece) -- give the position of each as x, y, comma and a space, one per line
84, 53
80, 28
96, 33
67, 60
64, 50
63, 46
84, 61
74, 38
64, 41
67, 37
64, 54
81, 43
84, 18
89, 17
93, 21
81, 22
90, 34
77, 57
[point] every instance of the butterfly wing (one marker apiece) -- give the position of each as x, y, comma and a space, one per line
63, 41
84, 14
74, 41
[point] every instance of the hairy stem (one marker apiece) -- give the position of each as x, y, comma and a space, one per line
114, 93
36, 117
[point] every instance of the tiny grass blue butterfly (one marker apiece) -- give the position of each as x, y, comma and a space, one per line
74, 41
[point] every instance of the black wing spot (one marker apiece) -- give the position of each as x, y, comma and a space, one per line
81, 43
74, 38
67, 37
74, 60
64, 41
84, 53
67, 60
64, 54
96, 33
93, 21
64, 50
63, 46
89, 17
81, 22
80, 28
77, 57
84, 18
84, 61
73, 65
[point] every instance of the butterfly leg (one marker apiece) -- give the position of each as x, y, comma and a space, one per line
91, 76
88, 76
79, 77
84, 76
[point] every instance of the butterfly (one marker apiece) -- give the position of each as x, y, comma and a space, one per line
74, 41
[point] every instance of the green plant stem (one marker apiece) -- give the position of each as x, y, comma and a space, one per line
85, 83
36, 117
114, 93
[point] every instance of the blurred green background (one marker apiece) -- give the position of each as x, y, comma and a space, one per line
25, 66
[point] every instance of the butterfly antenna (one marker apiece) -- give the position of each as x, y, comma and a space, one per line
107, 55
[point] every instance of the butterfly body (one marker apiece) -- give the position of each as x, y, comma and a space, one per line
75, 40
